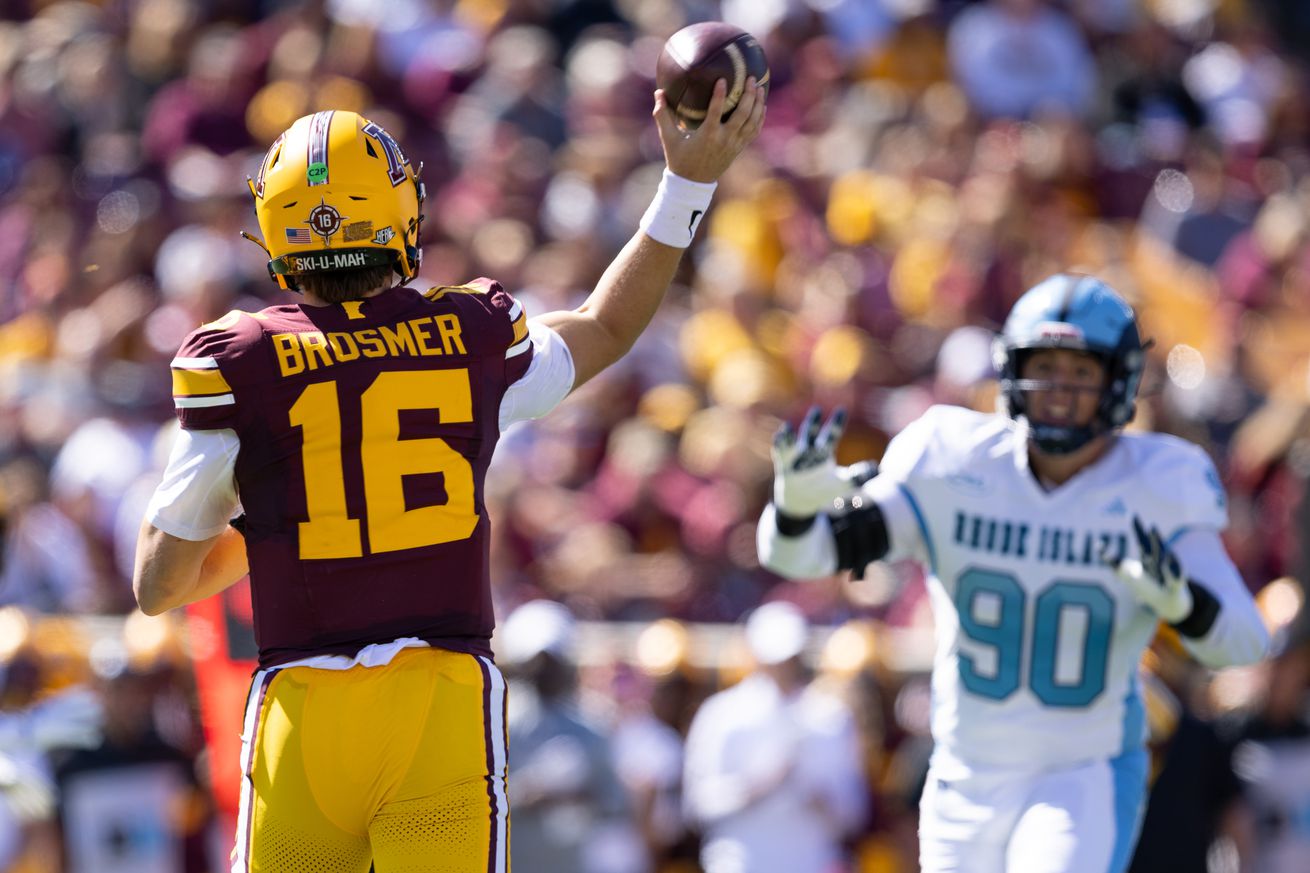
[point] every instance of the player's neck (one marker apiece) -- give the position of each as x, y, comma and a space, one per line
312, 299
1054, 470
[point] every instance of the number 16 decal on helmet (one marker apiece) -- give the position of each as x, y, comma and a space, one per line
337, 185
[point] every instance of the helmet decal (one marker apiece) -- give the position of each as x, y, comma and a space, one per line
356, 231
324, 220
317, 157
396, 160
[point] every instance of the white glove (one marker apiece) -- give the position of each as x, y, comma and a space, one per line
71, 719
27, 789
806, 478
1156, 578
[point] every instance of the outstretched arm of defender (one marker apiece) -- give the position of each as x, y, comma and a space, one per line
819, 521
605, 326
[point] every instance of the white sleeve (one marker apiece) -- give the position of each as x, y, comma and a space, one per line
199, 492
813, 554
1238, 635
549, 378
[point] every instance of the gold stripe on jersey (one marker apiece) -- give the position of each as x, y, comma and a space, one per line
190, 383
438, 291
520, 328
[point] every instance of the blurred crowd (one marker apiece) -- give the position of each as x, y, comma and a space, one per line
923, 162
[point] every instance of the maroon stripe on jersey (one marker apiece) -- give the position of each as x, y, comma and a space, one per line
249, 764
491, 763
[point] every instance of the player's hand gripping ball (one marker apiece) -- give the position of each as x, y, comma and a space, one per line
699, 55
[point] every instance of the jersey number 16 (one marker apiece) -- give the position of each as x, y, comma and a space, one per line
330, 532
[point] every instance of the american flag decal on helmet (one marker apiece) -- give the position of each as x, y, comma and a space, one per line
319, 127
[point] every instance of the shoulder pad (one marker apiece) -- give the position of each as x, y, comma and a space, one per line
207, 368
492, 297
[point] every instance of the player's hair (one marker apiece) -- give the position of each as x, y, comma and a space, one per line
338, 286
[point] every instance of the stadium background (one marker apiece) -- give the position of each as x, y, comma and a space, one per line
915, 175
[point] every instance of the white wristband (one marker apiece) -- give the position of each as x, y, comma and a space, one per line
677, 209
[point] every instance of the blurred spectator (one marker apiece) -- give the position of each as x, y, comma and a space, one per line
647, 737
37, 724
47, 563
1020, 58
570, 812
774, 776
1195, 798
1271, 755
134, 802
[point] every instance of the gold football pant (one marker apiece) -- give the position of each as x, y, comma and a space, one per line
400, 765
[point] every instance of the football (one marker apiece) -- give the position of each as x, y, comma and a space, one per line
697, 56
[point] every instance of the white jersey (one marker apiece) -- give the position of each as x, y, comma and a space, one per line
1037, 640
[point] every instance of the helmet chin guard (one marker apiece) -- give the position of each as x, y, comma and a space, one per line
1052, 439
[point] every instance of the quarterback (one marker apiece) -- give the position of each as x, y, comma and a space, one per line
1053, 545
350, 432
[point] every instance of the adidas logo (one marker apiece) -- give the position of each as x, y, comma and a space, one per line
1116, 507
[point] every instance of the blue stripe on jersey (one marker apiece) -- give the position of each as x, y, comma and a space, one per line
1129, 774
1134, 722
923, 527
1178, 534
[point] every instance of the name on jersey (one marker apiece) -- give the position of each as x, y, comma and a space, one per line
419, 337
1057, 545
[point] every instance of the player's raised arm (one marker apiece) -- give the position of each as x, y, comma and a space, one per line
818, 522
609, 321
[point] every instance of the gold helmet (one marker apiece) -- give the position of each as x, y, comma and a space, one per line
335, 192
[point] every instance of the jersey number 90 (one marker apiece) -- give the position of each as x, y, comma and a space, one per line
1004, 630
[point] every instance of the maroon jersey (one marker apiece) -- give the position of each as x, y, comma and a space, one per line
366, 429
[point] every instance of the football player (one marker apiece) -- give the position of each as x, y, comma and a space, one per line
355, 426
1053, 544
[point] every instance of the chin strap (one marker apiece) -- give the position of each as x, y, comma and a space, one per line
1055, 440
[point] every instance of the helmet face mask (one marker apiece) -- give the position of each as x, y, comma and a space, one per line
335, 192
1083, 314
